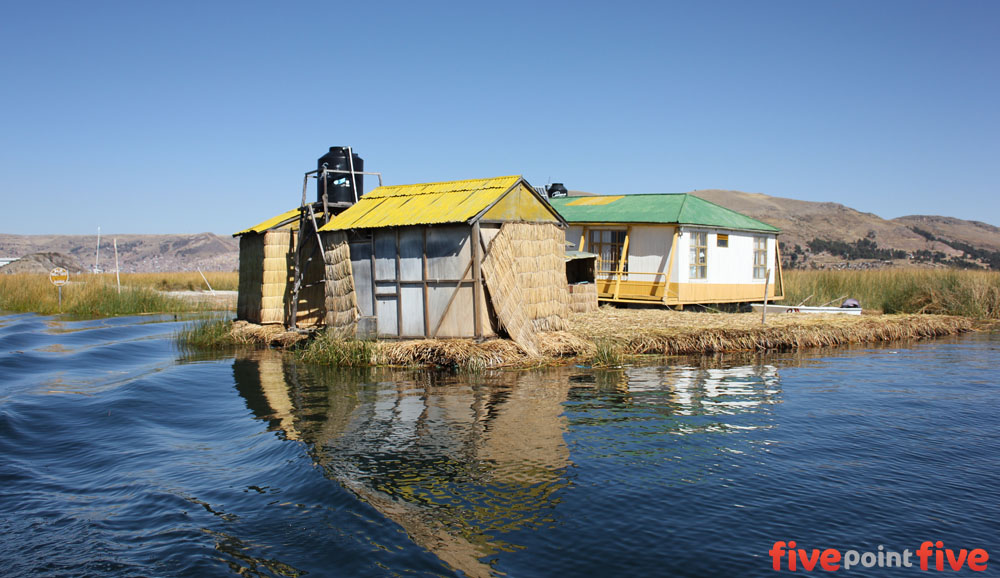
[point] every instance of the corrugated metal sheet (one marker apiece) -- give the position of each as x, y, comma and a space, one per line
274, 222
423, 204
681, 209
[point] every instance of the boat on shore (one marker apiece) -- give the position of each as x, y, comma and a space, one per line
772, 308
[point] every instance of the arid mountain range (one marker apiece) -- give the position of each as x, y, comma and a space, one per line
136, 253
801, 222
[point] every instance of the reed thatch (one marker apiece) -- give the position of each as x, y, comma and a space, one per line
341, 299
311, 306
525, 273
266, 264
251, 277
582, 297
278, 268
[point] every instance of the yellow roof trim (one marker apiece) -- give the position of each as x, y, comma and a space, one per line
286, 220
591, 201
270, 223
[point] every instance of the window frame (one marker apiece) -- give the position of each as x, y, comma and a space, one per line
697, 268
760, 258
615, 245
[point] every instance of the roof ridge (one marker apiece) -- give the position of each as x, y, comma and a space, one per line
454, 181
706, 201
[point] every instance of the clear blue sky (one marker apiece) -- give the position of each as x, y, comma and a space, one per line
183, 116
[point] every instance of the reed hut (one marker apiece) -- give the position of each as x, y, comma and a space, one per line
453, 259
267, 273
673, 249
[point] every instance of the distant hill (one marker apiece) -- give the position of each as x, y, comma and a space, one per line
973, 232
136, 253
43, 263
929, 238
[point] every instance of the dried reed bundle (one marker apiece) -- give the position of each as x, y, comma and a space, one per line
453, 352
583, 297
341, 300
526, 276
271, 335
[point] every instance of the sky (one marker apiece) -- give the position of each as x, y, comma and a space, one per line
194, 116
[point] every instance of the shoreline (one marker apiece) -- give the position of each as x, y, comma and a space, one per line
606, 338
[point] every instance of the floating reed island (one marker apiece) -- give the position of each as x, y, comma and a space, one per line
608, 336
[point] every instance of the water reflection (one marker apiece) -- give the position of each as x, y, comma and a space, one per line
467, 465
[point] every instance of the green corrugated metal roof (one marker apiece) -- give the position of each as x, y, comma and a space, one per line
683, 209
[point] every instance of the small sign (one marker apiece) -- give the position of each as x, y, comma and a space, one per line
59, 276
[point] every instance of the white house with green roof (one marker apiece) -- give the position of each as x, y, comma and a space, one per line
673, 249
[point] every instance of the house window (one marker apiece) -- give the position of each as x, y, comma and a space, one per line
722, 240
607, 245
759, 257
699, 256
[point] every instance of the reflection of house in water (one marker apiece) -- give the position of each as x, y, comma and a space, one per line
468, 464
457, 465
705, 391
694, 392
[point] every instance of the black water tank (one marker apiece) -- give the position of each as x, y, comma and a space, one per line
557, 190
339, 188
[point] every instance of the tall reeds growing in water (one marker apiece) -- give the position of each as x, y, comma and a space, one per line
974, 294
97, 297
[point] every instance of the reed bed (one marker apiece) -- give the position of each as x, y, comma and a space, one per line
179, 281
974, 294
609, 336
98, 296
663, 332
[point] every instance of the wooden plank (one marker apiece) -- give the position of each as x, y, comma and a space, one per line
399, 290
297, 275
670, 265
779, 274
622, 259
763, 312
374, 299
427, 314
477, 281
583, 240
451, 300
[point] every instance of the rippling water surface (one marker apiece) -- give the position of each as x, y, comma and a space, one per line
122, 456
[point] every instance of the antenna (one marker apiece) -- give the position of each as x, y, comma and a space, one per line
97, 259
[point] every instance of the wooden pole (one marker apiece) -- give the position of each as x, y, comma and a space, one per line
477, 281
423, 274
622, 259
206, 281
670, 267
767, 281
118, 277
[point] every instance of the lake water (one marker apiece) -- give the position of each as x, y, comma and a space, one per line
122, 456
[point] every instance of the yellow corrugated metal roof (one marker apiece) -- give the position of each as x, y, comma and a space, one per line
423, 204
273, 222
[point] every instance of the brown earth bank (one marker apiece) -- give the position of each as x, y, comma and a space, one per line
610, 336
